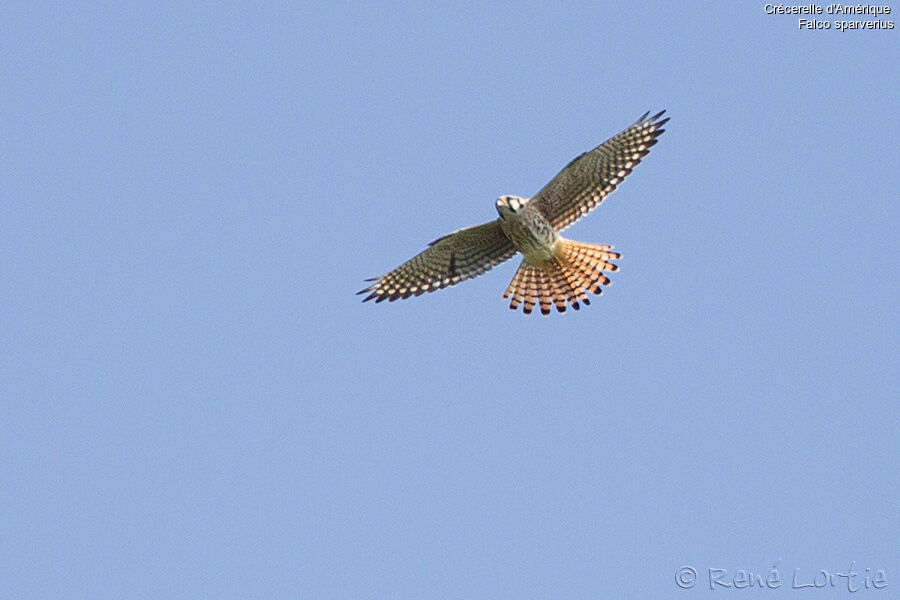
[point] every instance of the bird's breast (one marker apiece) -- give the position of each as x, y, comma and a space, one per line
532, 234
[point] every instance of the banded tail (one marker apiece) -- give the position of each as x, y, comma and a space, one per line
576, 269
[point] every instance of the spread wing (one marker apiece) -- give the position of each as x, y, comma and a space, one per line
455, 257
590, 178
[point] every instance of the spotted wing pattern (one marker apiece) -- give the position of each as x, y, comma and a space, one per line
455, 257
590, 178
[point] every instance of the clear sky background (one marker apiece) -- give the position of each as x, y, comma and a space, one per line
195, 403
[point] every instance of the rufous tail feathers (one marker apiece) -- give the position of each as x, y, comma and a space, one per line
565, 279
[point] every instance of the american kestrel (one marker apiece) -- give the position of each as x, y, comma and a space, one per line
553, 269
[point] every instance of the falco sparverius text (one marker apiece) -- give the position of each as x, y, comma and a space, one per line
553, 270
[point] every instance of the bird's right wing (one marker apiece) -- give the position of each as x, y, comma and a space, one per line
591, 177
455, 257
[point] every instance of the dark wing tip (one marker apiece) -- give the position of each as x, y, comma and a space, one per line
369, 289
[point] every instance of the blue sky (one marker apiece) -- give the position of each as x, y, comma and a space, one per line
196, 404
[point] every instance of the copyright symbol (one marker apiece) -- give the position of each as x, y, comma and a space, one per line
686, 577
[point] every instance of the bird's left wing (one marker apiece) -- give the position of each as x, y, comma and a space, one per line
590, 178
455, 257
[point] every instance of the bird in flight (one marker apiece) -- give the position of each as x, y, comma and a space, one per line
554, 270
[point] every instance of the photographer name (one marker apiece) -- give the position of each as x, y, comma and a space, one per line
868, 579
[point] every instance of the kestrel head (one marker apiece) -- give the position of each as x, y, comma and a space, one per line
508, 206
